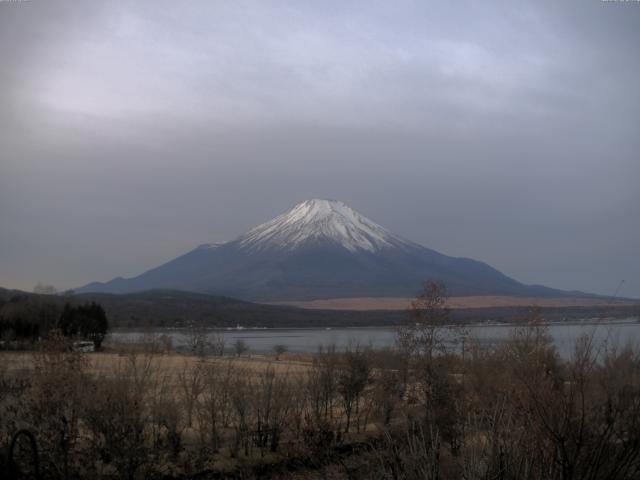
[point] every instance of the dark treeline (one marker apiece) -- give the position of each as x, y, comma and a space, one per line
25, 319
170, 308
424, 410
158, 308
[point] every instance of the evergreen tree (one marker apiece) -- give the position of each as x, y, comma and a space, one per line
87, 321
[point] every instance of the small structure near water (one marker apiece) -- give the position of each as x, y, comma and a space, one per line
83, 346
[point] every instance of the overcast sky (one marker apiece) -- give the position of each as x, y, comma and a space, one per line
509, 132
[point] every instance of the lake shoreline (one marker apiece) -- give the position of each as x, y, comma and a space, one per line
586, 322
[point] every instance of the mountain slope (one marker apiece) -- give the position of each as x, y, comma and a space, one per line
320, 249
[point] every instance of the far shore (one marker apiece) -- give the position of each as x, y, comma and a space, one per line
477, 301
572, 322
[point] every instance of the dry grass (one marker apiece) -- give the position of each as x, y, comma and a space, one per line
169, 364
166, 415
489, 301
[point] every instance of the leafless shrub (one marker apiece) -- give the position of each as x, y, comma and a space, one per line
197, 341
190, 381
321, 386
118, 415
242, 412
353, 376
167, 426
272, 406
166, 343
116, 418
409, 455
55, 404
387, 393
217, 343
240, 347
214, 404
279, 349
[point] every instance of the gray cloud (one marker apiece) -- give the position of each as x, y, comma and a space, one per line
133, 131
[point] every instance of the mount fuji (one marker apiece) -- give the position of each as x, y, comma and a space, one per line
320, 249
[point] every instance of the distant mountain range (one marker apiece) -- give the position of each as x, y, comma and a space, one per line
321, 249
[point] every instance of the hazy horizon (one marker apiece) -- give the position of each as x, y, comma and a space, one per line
133, 132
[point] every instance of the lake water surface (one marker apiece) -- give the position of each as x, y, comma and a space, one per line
308, 340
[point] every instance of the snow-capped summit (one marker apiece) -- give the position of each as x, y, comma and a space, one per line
320, 220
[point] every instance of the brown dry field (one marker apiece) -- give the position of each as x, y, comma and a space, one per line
169, 364
395, 303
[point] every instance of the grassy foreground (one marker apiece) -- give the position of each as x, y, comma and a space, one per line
418, 412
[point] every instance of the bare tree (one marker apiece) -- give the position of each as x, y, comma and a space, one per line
55, 403
243, 414
387, 393
217, 343
190, 379
424, 333
117, 419
352, 378
120, 412
215, 403
197, 341
321, 385
240, 347
272, 407
279, 349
